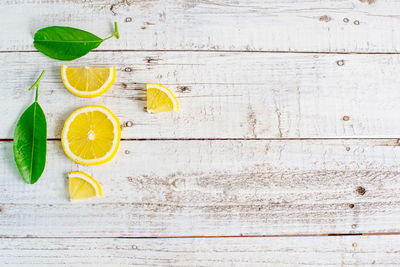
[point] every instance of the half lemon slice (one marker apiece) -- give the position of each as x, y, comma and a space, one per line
82, 186
160, 99
91, 135
87, 81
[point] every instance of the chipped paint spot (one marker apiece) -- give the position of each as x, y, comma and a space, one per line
183, 89
361, 190
188, 4
368, 1
163, 16
325, 18
112, 9
150, 59
252, 121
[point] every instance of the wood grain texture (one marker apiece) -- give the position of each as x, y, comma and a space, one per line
222, 95
247, 25
187, 188
212, 188
283, 251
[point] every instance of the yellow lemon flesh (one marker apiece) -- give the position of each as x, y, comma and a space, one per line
91, 135
86, 81
160, 99
83, 186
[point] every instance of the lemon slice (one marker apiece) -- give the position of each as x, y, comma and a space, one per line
86, 81
83, 186
160, 99
91, 135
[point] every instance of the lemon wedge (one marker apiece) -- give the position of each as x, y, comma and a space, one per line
91, 135
160, 99
87, 81
83, 186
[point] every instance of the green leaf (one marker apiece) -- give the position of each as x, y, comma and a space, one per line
30, 141
66, 43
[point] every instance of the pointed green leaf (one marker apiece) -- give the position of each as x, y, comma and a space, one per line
30, 141
29, 146
66, 43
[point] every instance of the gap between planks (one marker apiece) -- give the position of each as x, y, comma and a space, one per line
221, 51
205, 236
389, 139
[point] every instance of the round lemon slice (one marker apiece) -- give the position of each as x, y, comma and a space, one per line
82, 186
160, 99
87, 81
91, 135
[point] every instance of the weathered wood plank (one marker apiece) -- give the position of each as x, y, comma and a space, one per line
251, 25
276, 251
222, 95
212, 188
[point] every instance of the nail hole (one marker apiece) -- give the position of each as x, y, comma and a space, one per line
346, 118
128, 124
340, 62
356, 22
128, 19
127, 69
354, 226
354, 245
347, 148
134, 246
351, 206
345, 20
124, 85
127, 152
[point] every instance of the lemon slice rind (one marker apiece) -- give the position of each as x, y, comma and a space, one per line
88, 179
116, 130
88, 94
166, 91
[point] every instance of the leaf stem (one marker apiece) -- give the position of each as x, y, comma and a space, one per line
116, 33
36, 84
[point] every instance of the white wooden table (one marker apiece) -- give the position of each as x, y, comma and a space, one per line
285, 152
